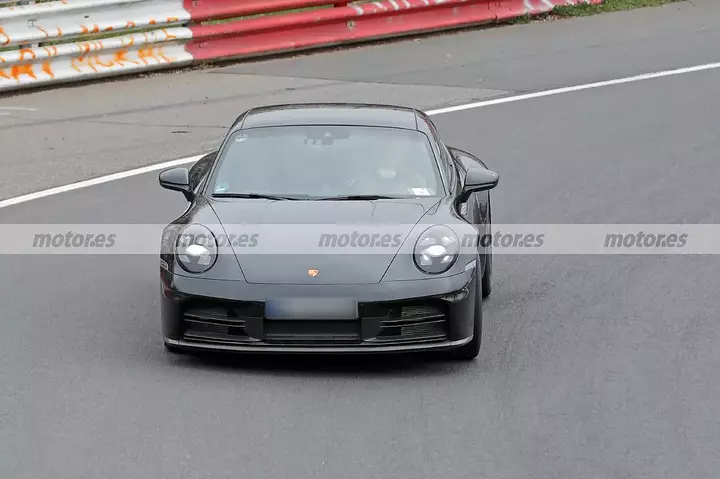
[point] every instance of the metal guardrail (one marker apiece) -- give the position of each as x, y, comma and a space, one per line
78, 39
56, 41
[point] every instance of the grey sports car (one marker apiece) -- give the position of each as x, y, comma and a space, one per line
279, 173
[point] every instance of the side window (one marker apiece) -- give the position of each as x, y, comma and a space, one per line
445, 156
199, 170
462, 167
465, 162
466, 159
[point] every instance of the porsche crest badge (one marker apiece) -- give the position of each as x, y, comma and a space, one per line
313, 272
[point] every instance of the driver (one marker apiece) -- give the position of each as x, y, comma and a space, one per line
397, 173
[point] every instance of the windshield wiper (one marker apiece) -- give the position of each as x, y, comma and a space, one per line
359, 198
254, 196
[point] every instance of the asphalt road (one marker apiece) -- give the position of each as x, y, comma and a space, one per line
593, 366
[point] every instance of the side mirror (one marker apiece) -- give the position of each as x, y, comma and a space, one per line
478, 179
177, 179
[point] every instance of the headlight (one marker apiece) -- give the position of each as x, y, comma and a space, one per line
196, 249
436, 250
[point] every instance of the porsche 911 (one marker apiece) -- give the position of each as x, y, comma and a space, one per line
262, 259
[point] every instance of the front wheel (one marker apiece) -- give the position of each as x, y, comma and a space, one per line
487, 274
488, 257
470, 351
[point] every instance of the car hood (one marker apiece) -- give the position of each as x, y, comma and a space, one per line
290, 227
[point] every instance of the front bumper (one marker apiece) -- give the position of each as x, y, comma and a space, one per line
269, 349
399, 316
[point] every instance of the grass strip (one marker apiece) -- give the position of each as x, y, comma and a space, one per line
587, 9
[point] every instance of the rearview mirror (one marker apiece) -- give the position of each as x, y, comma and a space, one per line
177, 179
478, 179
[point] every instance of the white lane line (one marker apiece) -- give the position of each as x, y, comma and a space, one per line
452, 109
17, 108
96, 181
570, 89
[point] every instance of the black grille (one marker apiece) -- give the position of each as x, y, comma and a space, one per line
379, 323
408, 322
316, 332
220, 323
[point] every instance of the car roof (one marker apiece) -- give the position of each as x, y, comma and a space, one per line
347, 114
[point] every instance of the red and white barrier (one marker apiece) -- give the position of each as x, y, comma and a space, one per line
84, 39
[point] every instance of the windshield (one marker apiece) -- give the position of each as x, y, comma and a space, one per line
326, 162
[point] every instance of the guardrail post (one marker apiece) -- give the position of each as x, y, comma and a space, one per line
28, 2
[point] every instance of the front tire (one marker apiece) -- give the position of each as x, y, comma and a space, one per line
470, 351
487, 274
488, 257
